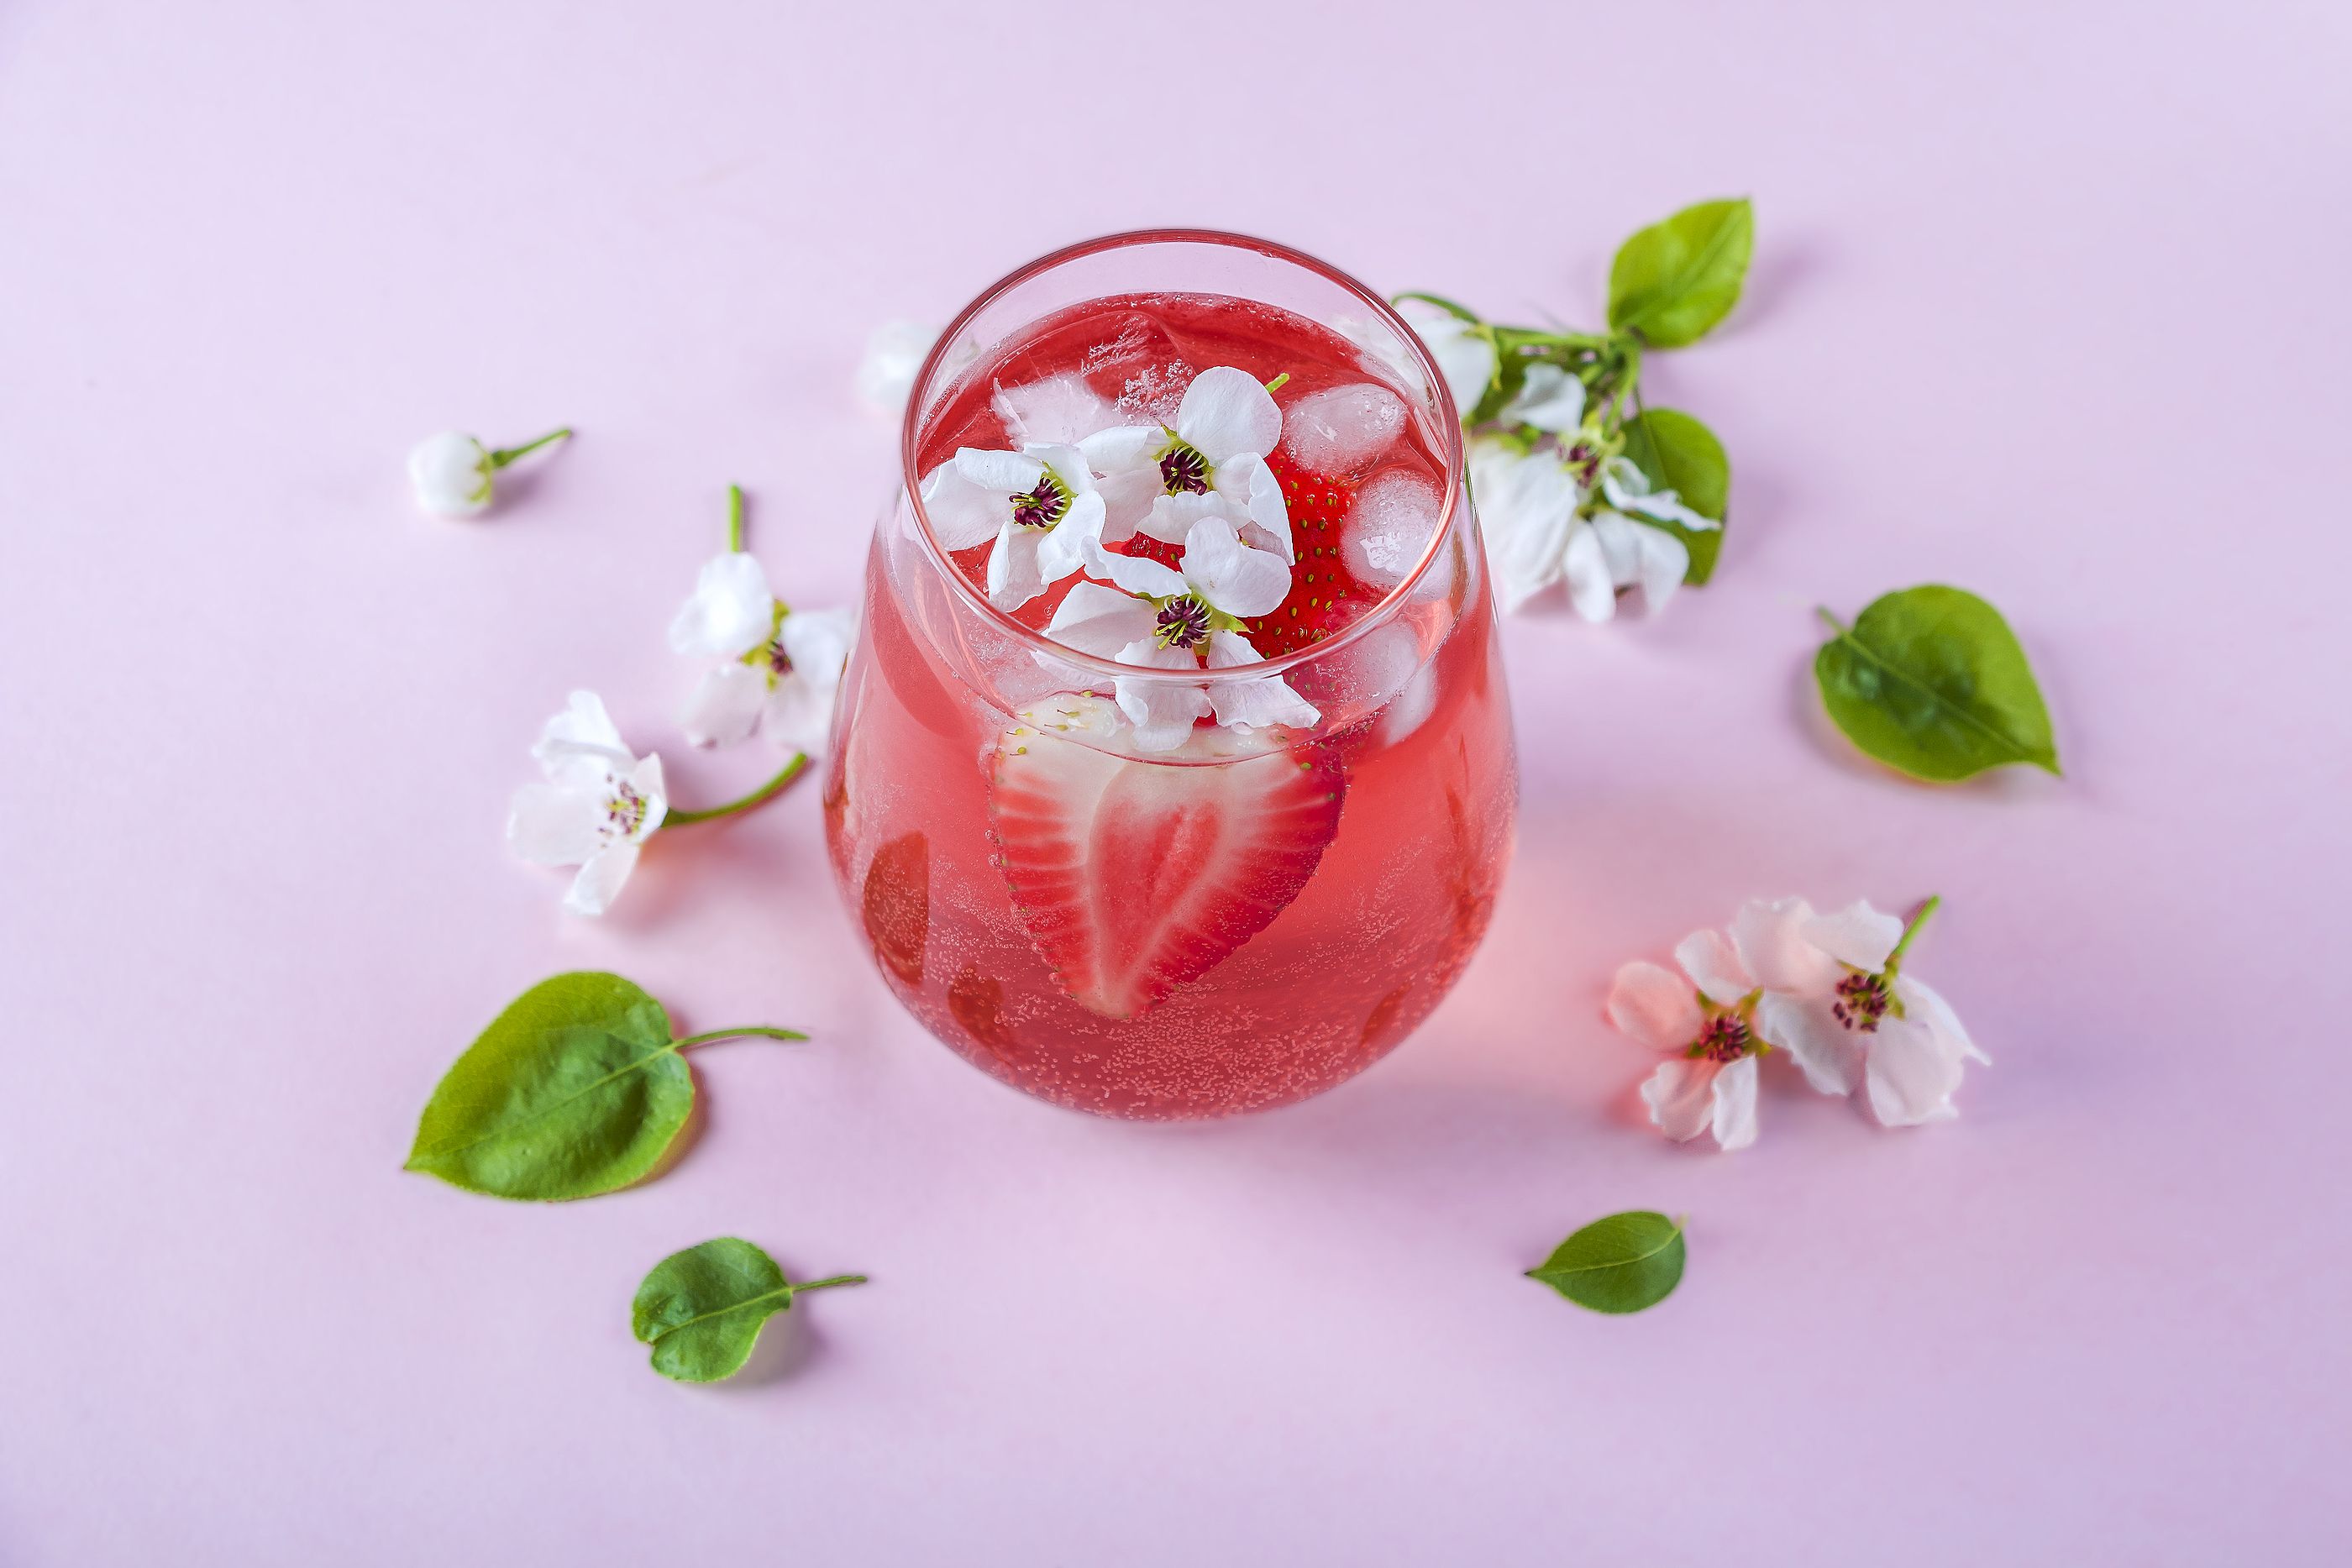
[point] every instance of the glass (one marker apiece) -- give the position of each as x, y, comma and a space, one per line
961, 728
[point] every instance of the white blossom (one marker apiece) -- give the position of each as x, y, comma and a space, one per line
597, 804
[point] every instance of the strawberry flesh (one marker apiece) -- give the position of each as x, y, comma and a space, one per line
1134, 877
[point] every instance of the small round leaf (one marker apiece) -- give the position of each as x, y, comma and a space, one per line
702, 1309
1673, 281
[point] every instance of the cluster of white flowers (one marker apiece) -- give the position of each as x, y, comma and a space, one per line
1558, 512
1053, 509
780, 674
1828, 989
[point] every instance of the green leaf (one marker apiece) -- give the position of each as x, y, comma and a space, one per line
1932, 682
1674, 281
1677, 452
1621, 1264
576, 1089
702, 1309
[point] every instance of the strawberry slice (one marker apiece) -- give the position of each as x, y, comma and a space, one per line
1133, 878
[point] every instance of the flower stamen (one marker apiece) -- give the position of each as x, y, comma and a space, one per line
1182, 623
624, 810
1863, 1002
1043, 506
1183, 469
1725, 1038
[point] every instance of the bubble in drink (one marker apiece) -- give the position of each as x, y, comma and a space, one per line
1388, 528
1341, 431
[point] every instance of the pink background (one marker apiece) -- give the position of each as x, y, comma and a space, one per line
2048, 302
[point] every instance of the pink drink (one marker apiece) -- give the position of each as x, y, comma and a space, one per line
1261, 912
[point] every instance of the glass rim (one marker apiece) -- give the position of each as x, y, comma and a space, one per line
1382, 612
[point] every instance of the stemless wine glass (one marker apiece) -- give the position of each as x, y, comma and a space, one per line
1259, 914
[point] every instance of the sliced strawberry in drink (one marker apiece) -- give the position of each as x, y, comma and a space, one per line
1134, 877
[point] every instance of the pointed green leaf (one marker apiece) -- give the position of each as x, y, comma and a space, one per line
1677, 452
1674, 281
575, 1089
1931, 681
1621, 1264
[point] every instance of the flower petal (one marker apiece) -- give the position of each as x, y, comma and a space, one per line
1549, 399
962, 514
1127, 496
1099, 621
1251, 491
579, 747
1713, 967
1526, 507
1856, 934
818, 642
1929, 1008
1620, 546
725, 706
1013, 579
646, 778
1661, 561
894, 352
1135, 573
730, 611
1256, 703
1226, 412
1465, 355
600, 879
1006, 473
1170, 519
799, 716
547, 824
1590, 588
1161, 711
1063, 550
1126, 449
1734, 1105
450, 474
1231, 577
1059, 408
1681, 1096
1655, 1006
1911, 1074
1771, 942
1628, 489
1066, 463
1829, 1053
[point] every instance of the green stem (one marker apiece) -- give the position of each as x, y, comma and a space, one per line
824, 1284
1442, 303
506, 454
1275, 385
1832, 622
1894, 959
734, 516
763, 794
765, 1031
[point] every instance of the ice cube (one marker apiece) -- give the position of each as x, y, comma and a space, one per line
1384, 534
1340, 431
1140, 367
1058, 409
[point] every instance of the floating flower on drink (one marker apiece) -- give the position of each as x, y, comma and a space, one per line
451, 471
1212, 464
1040, 504
1175, 619
598, 804
1836, 998
1708, 1021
